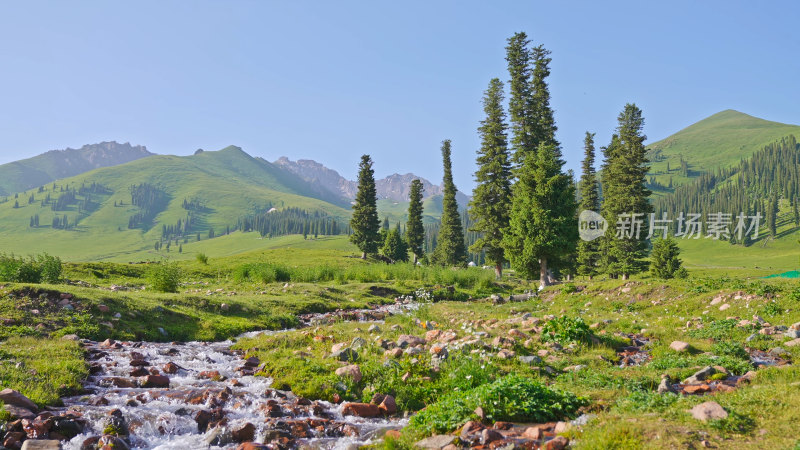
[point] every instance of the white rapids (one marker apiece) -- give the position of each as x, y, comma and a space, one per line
165, 418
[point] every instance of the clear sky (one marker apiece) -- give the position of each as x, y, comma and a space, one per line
331, 80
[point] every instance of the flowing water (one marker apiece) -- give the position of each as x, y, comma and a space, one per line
212, 396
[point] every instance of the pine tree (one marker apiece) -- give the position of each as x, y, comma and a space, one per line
385, 226
665, 263
772, 216
588, 251
365, 223
450, 250
415, 231
543, 223
491, 199
543, 123
624, 192
518, 58
394, 247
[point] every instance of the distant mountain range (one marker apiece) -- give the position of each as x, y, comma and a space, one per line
33, 172
395, 187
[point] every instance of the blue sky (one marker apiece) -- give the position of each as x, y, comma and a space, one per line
333, 80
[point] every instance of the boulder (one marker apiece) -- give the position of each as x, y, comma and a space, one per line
112, 442
701, 375
407, 340
436, 442
360, 410
388, 406
665, 385
489, 435
103, 309
18, 412
679, 346
792, 343
170, 368
15, 398
345, 354
352, 371
557, 443
154, 381
708, 411
244, 433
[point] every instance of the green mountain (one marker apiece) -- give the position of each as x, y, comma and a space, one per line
215, 188
33, 172
719, 141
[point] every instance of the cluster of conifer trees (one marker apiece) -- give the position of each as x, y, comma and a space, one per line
292, 221
753, 187
524, 209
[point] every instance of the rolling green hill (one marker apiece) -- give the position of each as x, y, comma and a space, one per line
227, 184
721, 140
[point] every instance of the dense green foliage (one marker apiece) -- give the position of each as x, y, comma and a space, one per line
165, 276
415, 231
35, 269
394, 246
588, 256
665, 262
450, 247
365, 223
625, 193
511, 398
543, 224
491, 198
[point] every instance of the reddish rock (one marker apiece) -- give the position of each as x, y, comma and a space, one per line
170, 368
252, 446
154, 381
388, 406
244, 433
392, 434
139, 372
103, 309
532, 433
503, 425
210, 375
557, 443
488, 436
360, 410
696, 389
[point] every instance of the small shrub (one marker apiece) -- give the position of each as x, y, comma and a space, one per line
511, 398
565, 330
165, 277
730, 348
568, 288
202, 258
717, 330
771, 309
42, 268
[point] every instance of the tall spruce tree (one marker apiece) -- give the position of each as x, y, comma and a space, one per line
491, 199
624, 192
519, 70
543, 123
365, 223
450, 248
415, 230
543, 224
589, 251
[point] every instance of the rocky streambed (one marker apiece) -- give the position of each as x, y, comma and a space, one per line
197, 395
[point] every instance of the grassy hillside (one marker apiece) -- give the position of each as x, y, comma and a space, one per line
33, 172
720, 140
228, 183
